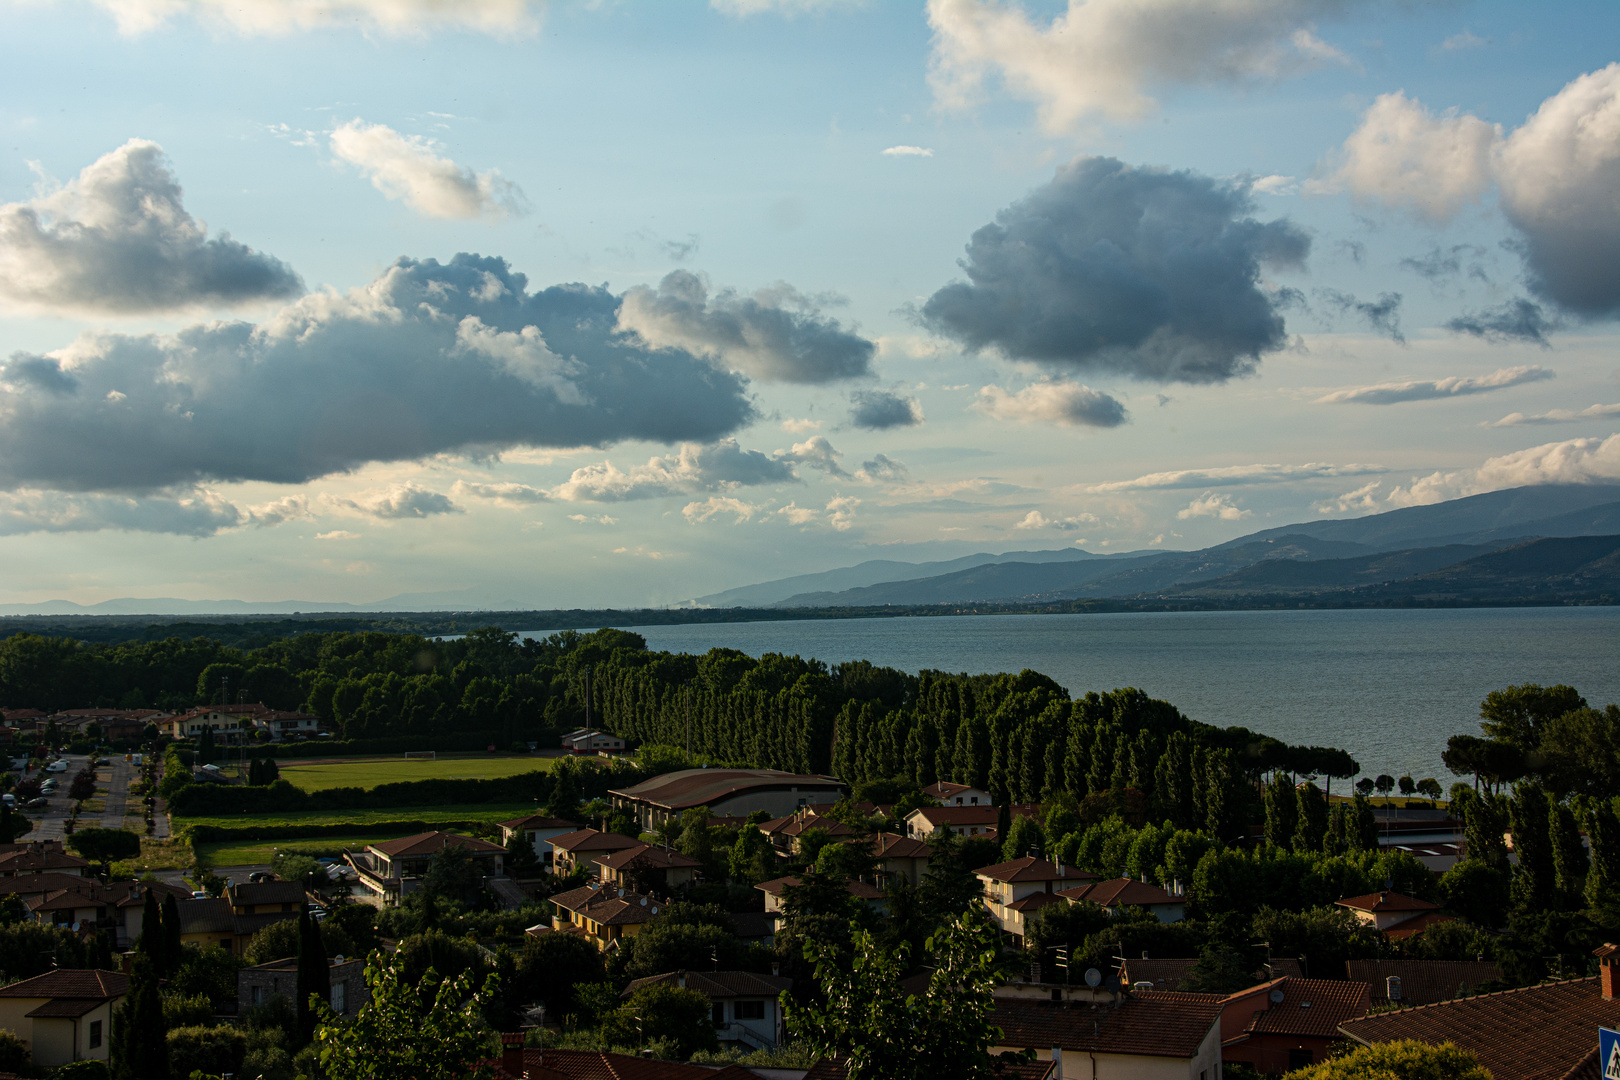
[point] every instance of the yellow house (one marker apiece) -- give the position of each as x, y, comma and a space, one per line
63, 1015
603, 915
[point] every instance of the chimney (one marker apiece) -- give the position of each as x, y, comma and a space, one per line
1607, 956
1057, 1062
512, 1053
1392, 989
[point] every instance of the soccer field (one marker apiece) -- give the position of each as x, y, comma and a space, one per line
369, 772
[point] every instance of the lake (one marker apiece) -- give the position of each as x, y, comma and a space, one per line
1388, 686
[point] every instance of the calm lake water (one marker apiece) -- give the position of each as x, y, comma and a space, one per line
1388, 686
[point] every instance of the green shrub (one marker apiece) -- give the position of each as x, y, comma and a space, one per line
212, 1050
182, 1010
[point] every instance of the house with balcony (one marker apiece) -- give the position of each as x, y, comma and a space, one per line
603, 916
743, 1006
646, 868
538, 830
1395, 916
575, 850
1127, 894
391, 870
1014, 892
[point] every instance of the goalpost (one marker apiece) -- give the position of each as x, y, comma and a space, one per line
421, 755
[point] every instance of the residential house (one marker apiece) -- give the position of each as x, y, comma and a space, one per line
30, 887
1015, 891
948, 794
726, 792
592, 741
899, 857
210, 920
961, 820
1543, 1032
1422, 982
64, 1015
604, 916
519, 1062
1139, 1037
574, 850
391, 870
1394, 915
784, 833
1171, 974
133, 910
256, 986
88, 905
776, 889
645, 867
743, 1005
1126, 894
266, 898
39, 857
1288, 1023
538, 829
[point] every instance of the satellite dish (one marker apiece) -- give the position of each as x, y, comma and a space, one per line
1093, 978
1277, 996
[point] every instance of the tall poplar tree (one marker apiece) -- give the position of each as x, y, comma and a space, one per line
1534, 879
173, 950
1311, 818
1603, 876
1570, 861
1361, 826
1282, 810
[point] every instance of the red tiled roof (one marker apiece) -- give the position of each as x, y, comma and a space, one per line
894, 846
1532, 1033
1380, 902
718, 984
1423, 982
592, 840
1126, 891
430, 843
50, 881
1414, 926
538, 821
1035, 902
944, 789
646, 856
799, 824
81, 983
1142, 1025
608, 906
1310, 1008
699, 787
838, 1069
599, 1065
858, 889
1029, 868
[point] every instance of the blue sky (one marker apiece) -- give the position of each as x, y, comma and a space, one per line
1237, 281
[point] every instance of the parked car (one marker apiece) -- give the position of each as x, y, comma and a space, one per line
57, 766
37, 804
260, 876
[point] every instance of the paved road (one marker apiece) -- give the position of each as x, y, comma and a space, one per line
48, 822
118, 775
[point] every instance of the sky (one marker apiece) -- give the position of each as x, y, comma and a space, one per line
521, 304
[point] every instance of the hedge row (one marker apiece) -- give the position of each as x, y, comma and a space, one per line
205, 800
461, 741
219, 834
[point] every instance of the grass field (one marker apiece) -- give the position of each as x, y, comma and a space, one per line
466, 812
369, 772
251, 852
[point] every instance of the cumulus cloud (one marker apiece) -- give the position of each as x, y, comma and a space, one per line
408, 168
841, 512
1558, 175
118, 240
1574, 461
505, 494
883, 469
908, 151
776, 334
1037, 520
1383, 314
801, 426
501, 18
1066, 403
1100, 56
1275, 185
401, 501
1232, 476
1559, 416
180, 512
1393, 393
720, 466
385, 372
798, 515
878, 410
585, 519
1215, 506
1144, 272
815, 453
1512, 320
714, 505
1463, 39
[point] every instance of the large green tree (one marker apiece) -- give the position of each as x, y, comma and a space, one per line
434, 1032
140, 1049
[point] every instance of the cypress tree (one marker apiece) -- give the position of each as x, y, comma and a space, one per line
1603, 830
1282, 811
1533, 879
1120, 778
1361, 827
1311, 825
8, 824
1223, 796
152, 943
1100, 774
1003, 821
1172, 781
1077, 757
1200, 792
140, 1043
1338, 830
173, 950
1483, 832
205, 746
1569, 854
313, 975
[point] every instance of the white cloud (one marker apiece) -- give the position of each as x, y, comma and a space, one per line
815, 453
1463, 40
1211, 505
1558, 416
841, 512
1101, 56
697, 512
1056, 402
407, 167
742, 9
586, 519
276, 18
882, 469
117, 239
505, 494
908, 151
337, 534
798, 515
1574, 461
1275, 185
400, 501
1363, 500
1033, 520
800, 427
1391, 393
695, 468
522, 354
1232, 476
1037, 520
182, 512
1403, 155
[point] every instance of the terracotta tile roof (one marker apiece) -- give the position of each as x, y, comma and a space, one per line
858, 889
592, 840
699, 787
538, 821
1408, 928
65, 1008
598, 1065
1423, 982
87, 984
1168, 975
894, 846
1126, 891
431, 843
944, 789
50, 881
1141, 1025
254, 893
837, 1069
1310, 1008
718, 984
34, 862
1035, 902
645, 856
1381, 902
1585, 1069
1532, 1033
1029, 868
609, 907
958, 816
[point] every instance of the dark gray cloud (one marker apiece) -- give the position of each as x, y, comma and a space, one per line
1143, 272
118, 240
1383, 314
778, 334
1515, 320
883, 469
1053, 402
1442, 264
428, 358
877, 410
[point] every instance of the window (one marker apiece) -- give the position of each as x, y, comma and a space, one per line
718, 1014
95, 1034
749, 1010
340, 997
258, 995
